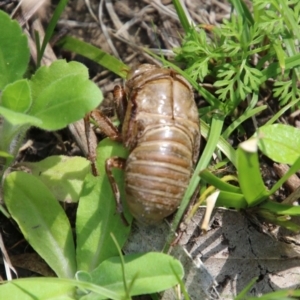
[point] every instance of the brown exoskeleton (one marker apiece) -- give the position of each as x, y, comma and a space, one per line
161, 130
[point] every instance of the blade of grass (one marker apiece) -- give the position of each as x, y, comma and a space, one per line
242, 295
215, 132
241, 119
291, 50
218, 183
122, 265
281, 209
278, 295
99, 56
293, 169
242, 10
182, 16
50, 29
281, 112
181, 283
223, 145
290, 19
274, 69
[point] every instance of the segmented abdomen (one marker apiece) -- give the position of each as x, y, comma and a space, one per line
158, 171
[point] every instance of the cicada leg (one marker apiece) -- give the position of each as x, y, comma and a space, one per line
106, 126
120, 163
111, 131
120, 100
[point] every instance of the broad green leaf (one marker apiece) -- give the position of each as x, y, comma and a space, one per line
83, 276
250, 179
17, 118
37, 288
145, 274
46, 75
42, 221
16, 96
66, 101
280, 142
13, 128
62, 94
51, 288
96, 213
14, 51
63, 175
5, 157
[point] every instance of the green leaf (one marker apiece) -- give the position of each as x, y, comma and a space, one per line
16, 96
96, 214
42, 221
51, 288
6, 157
218, 183
280, 142
46, 75
231, 200
250, 179
145, 273
16, 118
15, 102
281, 209
63, 175
83, 276
99, 56
62, 94
280, 220
14, 51
37, 288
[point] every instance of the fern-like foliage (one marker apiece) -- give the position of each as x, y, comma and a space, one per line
234, 56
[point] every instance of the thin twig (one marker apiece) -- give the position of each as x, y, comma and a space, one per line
88, 5
114, 17
162, 9
105, 31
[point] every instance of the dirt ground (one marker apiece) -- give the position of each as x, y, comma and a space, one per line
124, 28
